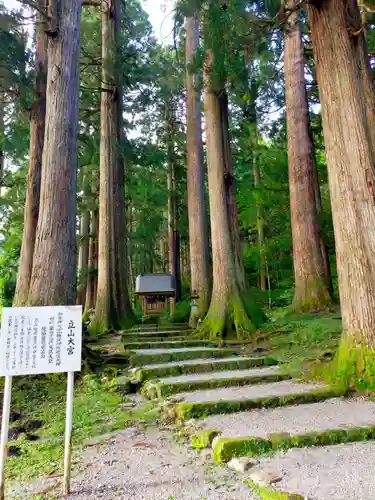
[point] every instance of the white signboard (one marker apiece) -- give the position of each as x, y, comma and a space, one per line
37, 340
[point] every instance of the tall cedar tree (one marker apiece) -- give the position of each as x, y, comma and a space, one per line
113, 309
311, 289
37, 126
228, 311
198, 229
347, 99
53, 279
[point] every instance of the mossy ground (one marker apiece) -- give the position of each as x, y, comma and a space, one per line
268, 493
96, 412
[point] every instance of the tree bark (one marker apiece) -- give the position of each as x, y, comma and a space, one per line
198, 230
113, 309
311, 290
37, 127
173, 237
348, 141
92, 270
2, 137
84, 256
230, 185
228, 312
53, 279
260, 220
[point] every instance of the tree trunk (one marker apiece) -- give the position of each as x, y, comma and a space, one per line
318, 202
230, 185
84, 256
53, 279
113, 309
348, 141
37, 127
173, 237
2, 137
91, 271
311, 291
260, 220
228, 312
198, 230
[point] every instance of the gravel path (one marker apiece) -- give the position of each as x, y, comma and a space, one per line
251, 372
344, 471
249, 392
330, 414
146, 465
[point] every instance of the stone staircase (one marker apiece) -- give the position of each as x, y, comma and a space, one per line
241, 406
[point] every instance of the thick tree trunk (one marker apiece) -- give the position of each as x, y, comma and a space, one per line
228, 312
230, 185
53, 279
198, 230
348, 141
311, 290
113, 308
37, 127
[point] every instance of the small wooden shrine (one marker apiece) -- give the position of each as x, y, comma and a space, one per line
154, 291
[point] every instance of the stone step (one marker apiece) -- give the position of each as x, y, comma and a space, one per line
155, 328
202, 403
337, 472
183, 383
176, 368
258, 431
168, 344
159, 333
153, 356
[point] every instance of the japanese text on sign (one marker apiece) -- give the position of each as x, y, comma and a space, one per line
40, 340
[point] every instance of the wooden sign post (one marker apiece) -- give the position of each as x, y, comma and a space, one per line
36, 340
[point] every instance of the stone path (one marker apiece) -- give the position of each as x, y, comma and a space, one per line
242, 406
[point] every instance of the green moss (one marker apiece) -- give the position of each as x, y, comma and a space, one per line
124, 385
316, 297
203, 439
354, 365
236, 316
227, 448
200, 367
165, 390
185, 411
267, 493
143, 359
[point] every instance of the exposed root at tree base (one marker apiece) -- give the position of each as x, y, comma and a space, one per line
354, 364
232, 318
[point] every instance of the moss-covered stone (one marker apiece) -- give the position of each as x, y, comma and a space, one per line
166, 357
185, 411
227, 448
124, 385
165, 389
203, 439
201, 367
268, 493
